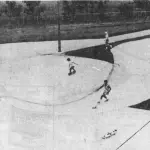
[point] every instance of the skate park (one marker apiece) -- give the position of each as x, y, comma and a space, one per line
43, 108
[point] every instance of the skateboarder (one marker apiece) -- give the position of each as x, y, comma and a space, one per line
71, 67
106, 38
106, 91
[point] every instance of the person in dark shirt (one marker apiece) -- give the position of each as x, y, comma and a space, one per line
107, 90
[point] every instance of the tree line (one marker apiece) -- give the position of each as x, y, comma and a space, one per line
71, 11
105, 10
23, 12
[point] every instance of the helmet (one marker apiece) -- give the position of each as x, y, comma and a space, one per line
68, 59
105, 81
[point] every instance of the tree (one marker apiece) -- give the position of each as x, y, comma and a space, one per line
3, 8
66, 11
81, 6
126, 9
142, 4
10, 8
31, 6
73, 10
101, 9
36, 13
91, 7
19, 11
19, 8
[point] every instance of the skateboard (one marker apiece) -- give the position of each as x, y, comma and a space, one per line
71, 73
103, 101
109, 134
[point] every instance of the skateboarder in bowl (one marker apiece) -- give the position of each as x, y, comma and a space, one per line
107, 90
71, 66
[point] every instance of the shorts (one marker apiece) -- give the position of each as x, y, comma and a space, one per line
106, 41
72, 68
106, 92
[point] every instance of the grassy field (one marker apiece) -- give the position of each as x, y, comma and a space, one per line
68, 32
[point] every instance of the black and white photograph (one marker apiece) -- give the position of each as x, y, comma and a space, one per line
74, 75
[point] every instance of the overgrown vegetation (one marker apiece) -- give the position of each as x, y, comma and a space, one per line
21, 13
68, 32
22, 21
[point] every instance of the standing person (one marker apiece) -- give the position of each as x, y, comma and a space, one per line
108, 47
106, 38
71, 67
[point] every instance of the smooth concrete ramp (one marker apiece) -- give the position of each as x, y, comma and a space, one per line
40, 101
44, 79
26, 126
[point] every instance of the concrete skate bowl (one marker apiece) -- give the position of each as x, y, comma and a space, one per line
33, 84
134, 57
44, 80
32, 87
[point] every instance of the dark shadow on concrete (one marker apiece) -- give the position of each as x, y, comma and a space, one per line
143, 105
99, 52
130, 40
96, 52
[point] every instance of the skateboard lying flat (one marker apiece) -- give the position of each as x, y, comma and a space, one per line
109, 134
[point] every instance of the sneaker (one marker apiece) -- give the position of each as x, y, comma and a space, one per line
94, 107
69, 73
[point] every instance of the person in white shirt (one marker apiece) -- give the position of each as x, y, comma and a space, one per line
108, 47
71, 67
106, 38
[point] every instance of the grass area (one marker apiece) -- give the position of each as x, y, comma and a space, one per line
68, 32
